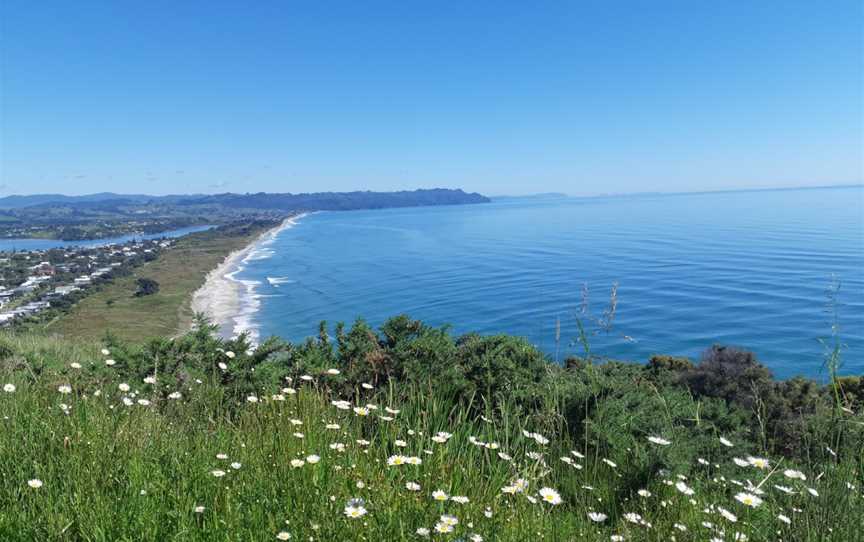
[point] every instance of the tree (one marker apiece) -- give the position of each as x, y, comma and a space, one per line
146, 287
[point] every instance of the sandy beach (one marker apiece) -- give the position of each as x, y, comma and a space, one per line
221, 298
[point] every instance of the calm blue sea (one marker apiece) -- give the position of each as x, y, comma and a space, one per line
744, 268
45, 244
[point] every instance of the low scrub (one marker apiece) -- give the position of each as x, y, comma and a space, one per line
405, 432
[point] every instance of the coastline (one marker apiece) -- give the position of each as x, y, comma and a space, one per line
229, 302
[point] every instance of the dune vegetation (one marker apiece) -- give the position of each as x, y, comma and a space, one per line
409, 433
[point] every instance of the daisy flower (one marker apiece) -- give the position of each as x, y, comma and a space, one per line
549, 495
748, 499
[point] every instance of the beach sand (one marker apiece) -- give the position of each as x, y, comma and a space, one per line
221, 296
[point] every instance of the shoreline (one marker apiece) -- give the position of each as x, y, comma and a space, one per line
229, 302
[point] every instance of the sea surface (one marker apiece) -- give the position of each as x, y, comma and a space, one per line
45, 244
752, 269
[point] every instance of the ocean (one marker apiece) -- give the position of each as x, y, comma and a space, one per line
754, 269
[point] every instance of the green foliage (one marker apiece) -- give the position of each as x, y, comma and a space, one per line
117, 468
145, 286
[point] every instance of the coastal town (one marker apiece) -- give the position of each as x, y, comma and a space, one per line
35, 281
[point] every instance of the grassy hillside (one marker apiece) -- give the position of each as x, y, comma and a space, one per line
179, 272
403, 434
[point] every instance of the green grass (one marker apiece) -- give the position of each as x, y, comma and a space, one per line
112, 471
179, 271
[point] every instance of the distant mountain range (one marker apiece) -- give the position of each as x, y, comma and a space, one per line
320, 201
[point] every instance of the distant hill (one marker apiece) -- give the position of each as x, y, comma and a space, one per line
320, 201
340, 201
21, 202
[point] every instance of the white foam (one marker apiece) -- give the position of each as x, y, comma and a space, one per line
276, 281
250, 300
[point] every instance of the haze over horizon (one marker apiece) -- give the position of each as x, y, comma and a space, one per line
498, 99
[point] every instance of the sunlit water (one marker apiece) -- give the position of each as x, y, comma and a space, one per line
746, 268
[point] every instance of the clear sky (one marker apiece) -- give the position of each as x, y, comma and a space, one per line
500, 97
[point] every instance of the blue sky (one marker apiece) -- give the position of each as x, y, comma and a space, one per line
496, 97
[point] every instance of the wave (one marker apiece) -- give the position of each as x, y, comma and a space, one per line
276, 281
245, 320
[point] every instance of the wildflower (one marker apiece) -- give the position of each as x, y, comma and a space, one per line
400, 443
338, 446
441, 437
610, 463
443, 528
550, 495
35, 483
748, 499
684, 488
355, 511
660, 441
812, 491
727, 514
784, 519
395, 460
333, 426
459, 499
644, 493
391, 410
313, 459
422, 531
616, 538
175, 395
297, 463
333, 371
487, 513
505, 457
221, 456
65, 389
75, 365
143, 402
150, 380
412, 486
475, 538
597, 517
230, 355
106, 352
633, 517
741, 462
367, 386
725, 442
299, 435
218, 473
252, 399
283, 535
361, 411
222, 366
794, 474
288, 391
306, 378
236, 466
439, 495
110, 362
199, 509
414, 460
785, 489
449, 520
296, 422
758, 462
9, 388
